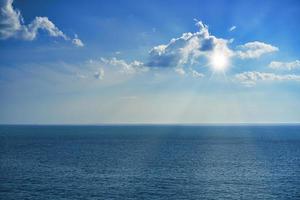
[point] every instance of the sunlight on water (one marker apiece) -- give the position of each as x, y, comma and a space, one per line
149, 162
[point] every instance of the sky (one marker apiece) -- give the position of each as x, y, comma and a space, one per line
158, 62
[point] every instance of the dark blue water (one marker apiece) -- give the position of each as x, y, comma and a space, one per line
149, 162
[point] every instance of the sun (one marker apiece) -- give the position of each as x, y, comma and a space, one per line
219, 61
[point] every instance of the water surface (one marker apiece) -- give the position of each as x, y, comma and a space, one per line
149, 162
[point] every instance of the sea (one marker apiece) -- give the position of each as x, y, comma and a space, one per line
155, 162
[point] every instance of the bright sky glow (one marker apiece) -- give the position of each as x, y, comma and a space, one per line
219, 61
149, 61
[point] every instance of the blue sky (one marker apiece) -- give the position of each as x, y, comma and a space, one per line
149, 62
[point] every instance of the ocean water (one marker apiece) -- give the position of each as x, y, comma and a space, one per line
149, 162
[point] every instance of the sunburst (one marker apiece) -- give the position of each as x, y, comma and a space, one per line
219, 61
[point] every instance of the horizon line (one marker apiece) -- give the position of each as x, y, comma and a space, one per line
156, 124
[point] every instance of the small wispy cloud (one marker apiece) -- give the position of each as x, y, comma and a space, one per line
81, 76
251, 78
125, 67
99, 74
77, 42
254, 50
196, 74
180, 71
232, 28
285, 65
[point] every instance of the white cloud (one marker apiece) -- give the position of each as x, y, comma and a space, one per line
10, 19
30, 31
196, 74
180, 71
201, 47
99, 74
254, 50
12, 25
191, 49
252, 77
81, 76
285, 65
188, 48
77, 42
232, 28
124, 67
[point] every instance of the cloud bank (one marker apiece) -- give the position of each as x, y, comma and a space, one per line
203, 49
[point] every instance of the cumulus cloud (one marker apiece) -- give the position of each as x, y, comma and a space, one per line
201, 46
125, 67
285, 65
232, 28
254, 50
10, 19
12, 25
99, 74
251, 78
188, 48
